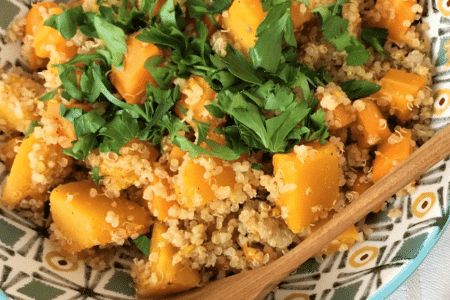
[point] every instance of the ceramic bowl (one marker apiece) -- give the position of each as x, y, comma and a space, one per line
31, 269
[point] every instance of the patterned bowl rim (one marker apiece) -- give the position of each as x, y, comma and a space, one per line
406, 272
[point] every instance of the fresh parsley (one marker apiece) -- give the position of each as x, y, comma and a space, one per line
96, 175
356, 89
143, 244
33, 125
335, 30
375, 37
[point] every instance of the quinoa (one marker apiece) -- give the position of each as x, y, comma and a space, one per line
234, 220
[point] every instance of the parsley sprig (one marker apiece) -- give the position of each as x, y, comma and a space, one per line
256, 93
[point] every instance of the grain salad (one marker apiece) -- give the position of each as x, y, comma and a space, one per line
208, 137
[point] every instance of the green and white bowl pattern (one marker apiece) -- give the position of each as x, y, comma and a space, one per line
31, 269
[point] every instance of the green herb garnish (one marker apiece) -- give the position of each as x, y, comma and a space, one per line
143, 243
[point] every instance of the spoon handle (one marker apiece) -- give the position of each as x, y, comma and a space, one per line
256, 284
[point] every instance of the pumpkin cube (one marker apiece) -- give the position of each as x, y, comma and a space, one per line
400, 88
392, 152
240, 22
195, 94
159, 276
370, 127
343, 242
37, 168
306, 196
86, 217
394, 15
132, 167
131, 82
19, 95
9, 151
202, 180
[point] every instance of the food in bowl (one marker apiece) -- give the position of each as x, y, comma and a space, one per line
216, 135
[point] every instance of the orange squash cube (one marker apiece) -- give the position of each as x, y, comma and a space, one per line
19, 102
240, 22
389, 155
87, 219
170, 278
344, 241
396, 85
32, 178
195, 94
9, 151
396, 16
308, 195
131, 82
158, 192
343, 115
370, 127
200, 180
48, 40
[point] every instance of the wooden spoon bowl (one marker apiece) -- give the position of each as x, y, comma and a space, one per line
256, 284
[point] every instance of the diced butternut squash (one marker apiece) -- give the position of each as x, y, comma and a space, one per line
344, 241
343, 115
240, 22
305, 195
362, 183
389, 155
132, 167
158, 193
35, 17
49, 42
33, 61
175, 159
195, 94
161, 276
36, 168
371, 127
19, 102
394, 15
202, 180
131, 82
86, 217
300, 14
9, 151
396, 87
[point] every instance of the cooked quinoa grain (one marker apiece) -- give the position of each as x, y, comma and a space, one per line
154, 170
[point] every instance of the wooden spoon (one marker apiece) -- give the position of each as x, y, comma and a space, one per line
256, 284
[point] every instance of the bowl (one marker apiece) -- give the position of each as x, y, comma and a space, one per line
373, 269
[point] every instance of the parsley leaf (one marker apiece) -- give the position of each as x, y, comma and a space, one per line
114, 38
276, 26
202, 129
198, 8
143, 243
96, 175
335, 30
66, 22
375, 37
317, 121
238, 65
30, 129
118, 132
356, 89
50, 95
194, 150
82, 147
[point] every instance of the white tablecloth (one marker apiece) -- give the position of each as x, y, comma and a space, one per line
431, 281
